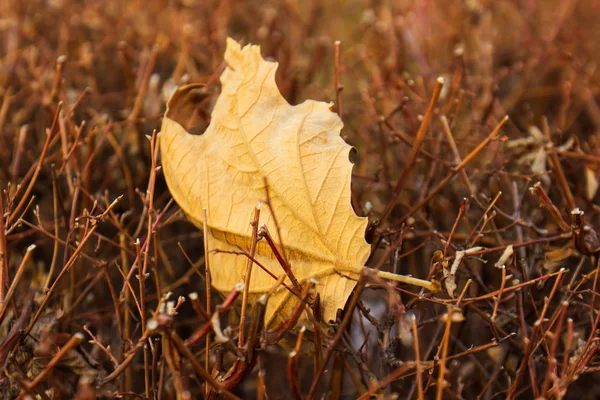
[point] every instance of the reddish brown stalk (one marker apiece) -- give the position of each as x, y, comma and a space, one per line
203, 373
475, 235
548, 239
461, 210
228, 302
552, 368
582, 156
16, 164
525, 362
142, 248
115, 299
82, 295
198, 307
580, 362
261, 387
143, 271
415, 333
463, 293
567, 349
242, 367
338, 77
67, 267
58, 77
139, 100
105, 350
261, 266
506, 290
441, 381
403, 137
558, 171
207, 284
55, 200
547, 203
15, 281
3, 255
71, 344
586, 240
173, 362
264, 232
455, 171
499, 297
338, 336
408, 368
412, 158
127, 359
37, 229
14, 336
292, 365
127, 318
4, 107
38, 167
248, 274
275, 335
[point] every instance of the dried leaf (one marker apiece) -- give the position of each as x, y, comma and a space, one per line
255, 138
505, 257
556, 258
591, 184
450, 274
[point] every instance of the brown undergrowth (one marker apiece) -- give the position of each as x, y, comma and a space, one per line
102, 284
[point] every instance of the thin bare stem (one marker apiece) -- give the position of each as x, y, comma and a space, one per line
203, 373
248, 274
412, 158
38, 167
207, 283
441, 382
292, 372
415, 334
455, 171
3, 255
71, 344
15, 281
499, 297
338, 77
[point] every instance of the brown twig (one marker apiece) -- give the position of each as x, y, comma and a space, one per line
293, 364
441, 381
455, 171
248, 274
530, 343
415, 333
67, 267
412, 158
227, 303
3, 256
332, 345
338, 77
203, 373
207, 280
25, 197
264, 233
546, 202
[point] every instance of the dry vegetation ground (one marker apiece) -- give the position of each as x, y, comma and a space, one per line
82, 84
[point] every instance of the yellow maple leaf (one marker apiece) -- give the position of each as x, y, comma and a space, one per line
255, 138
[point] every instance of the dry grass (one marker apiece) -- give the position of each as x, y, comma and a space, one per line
83, 86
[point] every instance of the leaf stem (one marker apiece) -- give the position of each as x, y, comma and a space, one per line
432, 285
